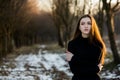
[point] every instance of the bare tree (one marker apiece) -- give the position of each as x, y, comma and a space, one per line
56, 13
13, 13
100, 17
110, 12
65, 14
84, 7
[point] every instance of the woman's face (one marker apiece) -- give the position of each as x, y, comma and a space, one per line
85, 26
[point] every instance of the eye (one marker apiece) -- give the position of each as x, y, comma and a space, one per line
82, 23
89, 23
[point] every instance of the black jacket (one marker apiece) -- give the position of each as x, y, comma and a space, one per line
86, 56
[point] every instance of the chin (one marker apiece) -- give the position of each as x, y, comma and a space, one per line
86, 33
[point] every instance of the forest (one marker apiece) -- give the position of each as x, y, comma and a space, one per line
25, 24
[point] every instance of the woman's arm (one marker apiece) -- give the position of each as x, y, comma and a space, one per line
68, 55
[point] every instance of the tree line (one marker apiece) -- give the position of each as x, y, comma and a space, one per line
20, 25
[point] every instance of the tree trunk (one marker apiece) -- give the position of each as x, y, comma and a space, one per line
60, 37
100, 22
10, 43
110, 26
111, 34
100, 18
4, 45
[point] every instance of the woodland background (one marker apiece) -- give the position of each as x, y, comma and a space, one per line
26, 23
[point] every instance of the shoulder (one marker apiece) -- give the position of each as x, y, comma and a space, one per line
71, 45
72, 42
75, 42
97, 46
98, 43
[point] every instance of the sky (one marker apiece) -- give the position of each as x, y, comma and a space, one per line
46, 4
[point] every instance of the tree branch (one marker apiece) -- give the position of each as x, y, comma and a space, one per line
116, 9
117, 4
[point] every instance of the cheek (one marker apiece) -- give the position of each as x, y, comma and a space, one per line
80, 28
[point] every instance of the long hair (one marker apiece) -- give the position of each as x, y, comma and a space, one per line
94, 36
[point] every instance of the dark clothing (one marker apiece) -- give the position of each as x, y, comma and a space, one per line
84, 63
89, 77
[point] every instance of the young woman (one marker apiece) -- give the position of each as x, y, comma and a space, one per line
86, 51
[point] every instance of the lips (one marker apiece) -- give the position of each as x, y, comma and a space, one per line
85, 29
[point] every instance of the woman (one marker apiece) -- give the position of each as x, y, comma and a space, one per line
86, 51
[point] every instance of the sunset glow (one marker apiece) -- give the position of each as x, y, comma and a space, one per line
44, 5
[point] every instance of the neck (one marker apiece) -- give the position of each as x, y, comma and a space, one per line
85, 35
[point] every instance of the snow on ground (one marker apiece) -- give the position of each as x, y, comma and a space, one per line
41, 66
32, 66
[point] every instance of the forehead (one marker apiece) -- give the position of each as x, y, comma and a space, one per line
85, 19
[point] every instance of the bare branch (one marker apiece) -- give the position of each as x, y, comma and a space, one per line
105, 4
117, 4
109, 3
116, 9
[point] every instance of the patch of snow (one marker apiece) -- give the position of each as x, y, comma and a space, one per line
28, 65
31, 66
107, 60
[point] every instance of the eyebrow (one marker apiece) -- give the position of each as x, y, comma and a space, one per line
85, 21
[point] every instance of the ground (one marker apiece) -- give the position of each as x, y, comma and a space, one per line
44, 63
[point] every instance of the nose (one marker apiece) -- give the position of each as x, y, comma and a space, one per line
86, 25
